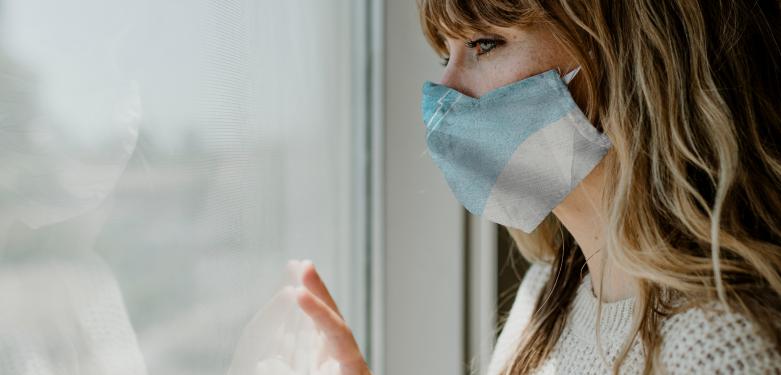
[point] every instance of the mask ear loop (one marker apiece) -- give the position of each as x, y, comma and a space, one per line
569, 76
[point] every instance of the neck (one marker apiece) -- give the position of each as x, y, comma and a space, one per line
580, 212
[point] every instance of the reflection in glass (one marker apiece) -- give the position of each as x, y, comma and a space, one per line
159, 163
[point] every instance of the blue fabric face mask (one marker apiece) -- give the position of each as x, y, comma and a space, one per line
515, 153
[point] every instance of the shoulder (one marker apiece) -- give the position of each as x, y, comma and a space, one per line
536, 276
525, 300
709, 339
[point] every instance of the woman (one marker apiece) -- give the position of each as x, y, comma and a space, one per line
663, 250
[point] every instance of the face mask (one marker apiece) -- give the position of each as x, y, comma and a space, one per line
515, 153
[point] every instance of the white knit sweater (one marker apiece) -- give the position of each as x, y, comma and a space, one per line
697, 341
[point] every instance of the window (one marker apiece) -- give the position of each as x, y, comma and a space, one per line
160, 162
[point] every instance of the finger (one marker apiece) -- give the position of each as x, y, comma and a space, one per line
340, 339
312, 281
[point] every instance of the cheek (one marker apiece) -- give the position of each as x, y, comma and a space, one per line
512, 64
500, 73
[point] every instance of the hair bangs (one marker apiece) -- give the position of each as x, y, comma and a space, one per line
460, 18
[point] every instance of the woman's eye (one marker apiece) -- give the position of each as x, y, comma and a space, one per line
484, 45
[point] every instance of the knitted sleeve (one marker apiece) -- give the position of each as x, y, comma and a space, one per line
520, 312
712, 341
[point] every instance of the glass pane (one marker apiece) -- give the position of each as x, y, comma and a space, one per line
159, 163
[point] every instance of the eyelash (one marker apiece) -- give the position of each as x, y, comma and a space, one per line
479, 44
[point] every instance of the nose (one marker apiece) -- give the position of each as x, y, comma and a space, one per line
456, 77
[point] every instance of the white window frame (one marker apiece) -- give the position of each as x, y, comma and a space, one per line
432, 265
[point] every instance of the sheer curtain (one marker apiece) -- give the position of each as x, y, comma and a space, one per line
159, 163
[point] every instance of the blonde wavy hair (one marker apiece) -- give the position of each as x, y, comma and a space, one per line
689, 93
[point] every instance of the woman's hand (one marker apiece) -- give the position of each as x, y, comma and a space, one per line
317, 302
